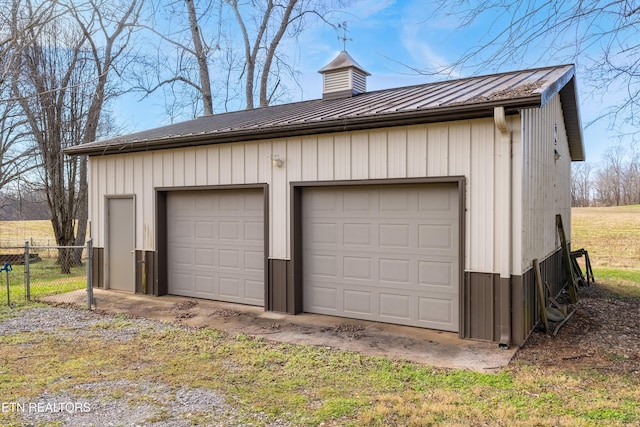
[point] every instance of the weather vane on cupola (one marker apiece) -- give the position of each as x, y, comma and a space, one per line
344, 37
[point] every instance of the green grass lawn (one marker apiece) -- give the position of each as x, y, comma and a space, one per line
309, 385
46, 279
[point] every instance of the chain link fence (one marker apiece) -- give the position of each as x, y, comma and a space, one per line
41, 272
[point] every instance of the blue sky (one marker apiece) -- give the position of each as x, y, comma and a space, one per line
386, 34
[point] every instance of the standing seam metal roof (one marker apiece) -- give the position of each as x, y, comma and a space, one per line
459, 99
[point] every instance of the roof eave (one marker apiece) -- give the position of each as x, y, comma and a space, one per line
421, 116
571, 112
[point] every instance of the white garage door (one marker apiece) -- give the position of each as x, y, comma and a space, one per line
215, 245
384, 253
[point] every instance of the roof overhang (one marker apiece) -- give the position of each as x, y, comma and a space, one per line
462, 99
432, 115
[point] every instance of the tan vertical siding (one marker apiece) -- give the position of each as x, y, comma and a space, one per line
279, 202
481, 196
310, 159
416, 151
546, 182
397, 153
213, 165
360, 155
378, 154
342, 159
438, 150
456, 148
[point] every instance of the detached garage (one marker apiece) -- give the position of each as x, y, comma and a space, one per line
422, 206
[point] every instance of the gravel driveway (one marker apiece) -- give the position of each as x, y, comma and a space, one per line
168, 406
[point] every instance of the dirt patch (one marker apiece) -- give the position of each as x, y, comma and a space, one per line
603, 334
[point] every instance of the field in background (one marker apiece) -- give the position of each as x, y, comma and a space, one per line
15, 233
611, 235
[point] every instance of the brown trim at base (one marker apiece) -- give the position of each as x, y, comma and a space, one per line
145, 270
525, 315
277, 285
493, 305
97, 267
481, 299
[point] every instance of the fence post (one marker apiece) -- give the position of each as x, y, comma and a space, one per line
27, 273
89, 273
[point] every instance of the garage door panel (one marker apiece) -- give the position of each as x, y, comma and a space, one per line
438, 311
182, 281
378, 263
254, 261
254, 231
322, 233
358, 201
204, 230
393, 202
230, 287
182, 229
229, 259
215, 247
358, 268
182, 255
434, 273
436, 200
395, 235
323, 266
357, 234
254, 291
394, 270
436, 236
395, 306
205, 286
358, 302
204, 257
322, 300
229, 230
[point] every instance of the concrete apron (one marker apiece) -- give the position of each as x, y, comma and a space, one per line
424, 346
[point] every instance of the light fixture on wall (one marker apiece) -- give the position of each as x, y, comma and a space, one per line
275, 161
556, 156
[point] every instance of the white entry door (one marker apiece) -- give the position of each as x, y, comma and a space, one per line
120, 245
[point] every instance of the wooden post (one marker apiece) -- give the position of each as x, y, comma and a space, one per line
566, 260
542, 294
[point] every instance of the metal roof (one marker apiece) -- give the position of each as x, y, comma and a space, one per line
460, 99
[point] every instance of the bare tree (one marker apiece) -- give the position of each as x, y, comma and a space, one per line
600, 36
617, 182
581, 184
17, 154
273, 19
206, 48
16, 28
192, 47
61, 82
631, 180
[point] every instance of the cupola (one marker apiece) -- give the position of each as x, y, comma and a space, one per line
343, 77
